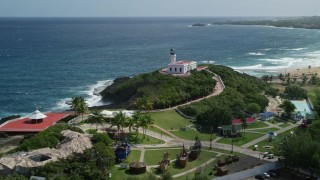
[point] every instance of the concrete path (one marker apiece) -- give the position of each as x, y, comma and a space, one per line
267, 136
142, 155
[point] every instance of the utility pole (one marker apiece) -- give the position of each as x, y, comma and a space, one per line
232, 135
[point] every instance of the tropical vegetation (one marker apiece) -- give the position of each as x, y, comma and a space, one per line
156, 91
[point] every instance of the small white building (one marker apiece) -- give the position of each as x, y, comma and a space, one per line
179, 67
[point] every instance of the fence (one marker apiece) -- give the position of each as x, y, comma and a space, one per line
184, 115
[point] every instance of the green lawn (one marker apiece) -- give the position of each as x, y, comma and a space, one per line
134, 156
190, 134
263, 143
172, 120
284, 125
240, 140
169, 120
133, 139
126, 174
203, 157
157, 130
152, 157
208, 170
265, 131
257, 124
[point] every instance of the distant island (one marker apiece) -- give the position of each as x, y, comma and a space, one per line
199, 25
299, 22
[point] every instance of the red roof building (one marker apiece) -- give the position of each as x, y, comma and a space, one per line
27, 125
238, 121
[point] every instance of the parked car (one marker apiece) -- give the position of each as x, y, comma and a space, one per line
260, 176
266, 174
272, 174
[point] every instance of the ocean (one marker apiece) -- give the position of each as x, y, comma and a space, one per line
46, 61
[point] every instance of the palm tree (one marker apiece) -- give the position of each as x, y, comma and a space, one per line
79, 105
134, 120
244, 125
304, 79
96, 118
145, 122
119, 120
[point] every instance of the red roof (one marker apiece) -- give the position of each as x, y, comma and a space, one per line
238, 121
22, 125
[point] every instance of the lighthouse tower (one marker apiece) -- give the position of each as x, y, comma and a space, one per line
173, 56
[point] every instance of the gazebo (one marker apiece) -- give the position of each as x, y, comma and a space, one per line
36, 117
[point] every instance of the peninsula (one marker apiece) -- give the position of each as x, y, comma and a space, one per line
298, 22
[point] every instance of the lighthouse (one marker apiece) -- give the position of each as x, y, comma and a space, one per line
179, 67
173, 56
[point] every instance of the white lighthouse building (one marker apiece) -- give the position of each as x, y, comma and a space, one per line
179, 67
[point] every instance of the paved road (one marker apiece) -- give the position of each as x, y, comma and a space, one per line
267, 136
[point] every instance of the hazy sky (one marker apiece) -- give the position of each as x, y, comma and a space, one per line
98, 8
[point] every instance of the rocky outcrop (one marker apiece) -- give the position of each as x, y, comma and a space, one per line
24, 162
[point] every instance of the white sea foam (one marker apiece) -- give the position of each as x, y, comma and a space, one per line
294, 49
94, 98
261, 67
256, 54
208, 62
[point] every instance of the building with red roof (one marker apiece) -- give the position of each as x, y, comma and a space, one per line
179, 67
27, 125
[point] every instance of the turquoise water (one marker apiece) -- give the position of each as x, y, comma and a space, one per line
302, 107
45, 61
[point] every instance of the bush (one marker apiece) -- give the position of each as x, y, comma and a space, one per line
91, 131
101, 137
50, 137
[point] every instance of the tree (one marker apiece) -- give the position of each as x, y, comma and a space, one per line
96, 118
144, 104
288, 107
304, 79
215, 117
134, 120
244, 124
281, 77
265, 78
79, 105
314, 79
145, 121
118, 120
300, 150
254, 108
294, 91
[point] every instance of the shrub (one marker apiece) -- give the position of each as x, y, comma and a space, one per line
101, 137
91, 131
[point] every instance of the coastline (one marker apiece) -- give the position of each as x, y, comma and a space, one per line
300, 71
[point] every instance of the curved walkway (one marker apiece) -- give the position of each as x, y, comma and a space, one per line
217, 90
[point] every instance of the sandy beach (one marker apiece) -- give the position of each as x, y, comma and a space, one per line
299, 72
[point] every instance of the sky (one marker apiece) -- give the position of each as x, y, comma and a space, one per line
157, 8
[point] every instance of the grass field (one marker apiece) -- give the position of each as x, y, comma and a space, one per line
257, 124
169, 120
265, 131
190, 134
208, 170
157, 130
134, 156
284, 125
203, 157
263, 143
152, 157
133, 139
240, 140
172, 120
